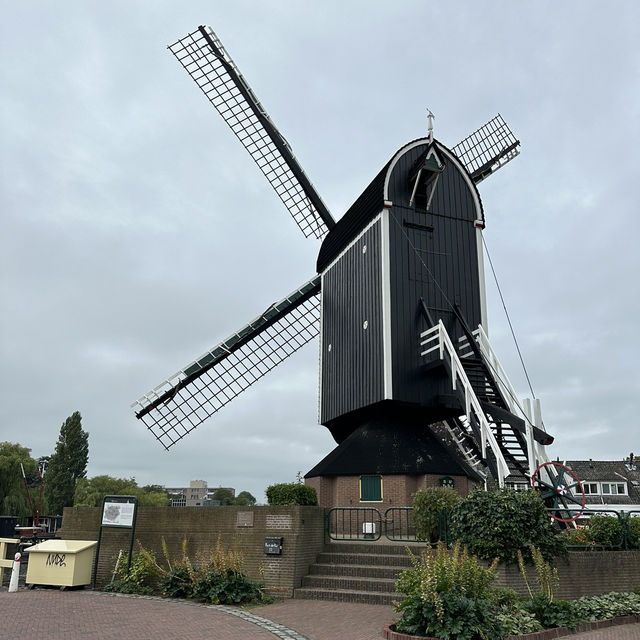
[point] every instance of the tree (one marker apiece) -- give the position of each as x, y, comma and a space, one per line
67, 465
91, 491
224, 496
13, 497
245, 499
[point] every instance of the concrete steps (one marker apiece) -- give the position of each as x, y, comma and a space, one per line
357, 572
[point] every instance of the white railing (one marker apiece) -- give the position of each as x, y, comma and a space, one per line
437, 339
536, 453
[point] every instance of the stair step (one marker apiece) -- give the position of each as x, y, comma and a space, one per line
355, 570
376, 548
337, 595
342, 583
386, 560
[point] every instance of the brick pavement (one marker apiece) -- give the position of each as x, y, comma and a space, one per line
85, 615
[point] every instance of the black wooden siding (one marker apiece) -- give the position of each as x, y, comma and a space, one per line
433, 255
353, 371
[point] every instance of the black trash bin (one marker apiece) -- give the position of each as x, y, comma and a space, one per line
8, 526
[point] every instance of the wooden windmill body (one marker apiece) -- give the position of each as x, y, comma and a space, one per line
409, 387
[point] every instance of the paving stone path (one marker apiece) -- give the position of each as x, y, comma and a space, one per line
93, 615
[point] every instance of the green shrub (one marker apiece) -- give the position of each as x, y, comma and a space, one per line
515, 620
553, 613
292, 493
634, 532
141, 577
216, 577
607, 605
606, 531
448, 595
578, 538
504, 596
428, 507
176, 583
497, 524
462, 618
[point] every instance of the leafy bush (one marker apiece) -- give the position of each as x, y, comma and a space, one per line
607, 605
606, 531
504, 596
176, 583
292, 493
497, 524
553, 613
514, 620
578, 538
428, 507
633, 525
216, 578
141, 577
448, 595
461, 618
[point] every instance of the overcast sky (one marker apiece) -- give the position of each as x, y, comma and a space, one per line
137, 232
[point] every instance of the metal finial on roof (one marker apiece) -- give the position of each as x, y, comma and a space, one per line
430, 118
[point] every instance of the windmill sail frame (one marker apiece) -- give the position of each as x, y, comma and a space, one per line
204, 58
193, 394
487, 149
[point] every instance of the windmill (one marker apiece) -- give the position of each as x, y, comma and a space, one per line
398, 302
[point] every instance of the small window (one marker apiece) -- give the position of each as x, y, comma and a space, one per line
371, 489
614, 488
447, 481
590, 488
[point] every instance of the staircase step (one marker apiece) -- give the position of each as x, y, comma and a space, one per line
364, 597
342, 583
386, 560
356, 570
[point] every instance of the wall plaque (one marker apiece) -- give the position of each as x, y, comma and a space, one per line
244, 519
273, 546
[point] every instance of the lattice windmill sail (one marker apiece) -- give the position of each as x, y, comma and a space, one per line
398, 302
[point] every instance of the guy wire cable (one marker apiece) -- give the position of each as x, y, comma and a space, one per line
490, 365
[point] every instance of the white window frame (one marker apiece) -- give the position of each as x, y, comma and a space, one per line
518, 486
591, 488
608, 485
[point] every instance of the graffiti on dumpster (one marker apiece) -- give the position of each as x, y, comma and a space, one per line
56, 560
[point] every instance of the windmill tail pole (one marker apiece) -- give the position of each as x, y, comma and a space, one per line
26, 488
36, 522
15, 574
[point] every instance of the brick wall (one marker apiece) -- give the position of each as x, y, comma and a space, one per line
239, 528
397, 490
583, 573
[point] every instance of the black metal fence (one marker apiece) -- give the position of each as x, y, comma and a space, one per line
369, 524
594, 530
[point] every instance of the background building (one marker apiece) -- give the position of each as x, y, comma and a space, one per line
197, 494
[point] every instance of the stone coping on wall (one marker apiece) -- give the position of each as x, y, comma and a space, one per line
388, 633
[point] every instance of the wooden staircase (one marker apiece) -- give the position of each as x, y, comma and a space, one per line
362, 572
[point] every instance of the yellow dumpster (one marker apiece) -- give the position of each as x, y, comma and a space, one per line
63, 563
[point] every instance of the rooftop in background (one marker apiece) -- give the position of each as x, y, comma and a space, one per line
609, 482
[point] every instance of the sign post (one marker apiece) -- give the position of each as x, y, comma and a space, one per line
118, 512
